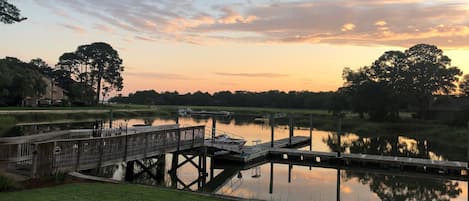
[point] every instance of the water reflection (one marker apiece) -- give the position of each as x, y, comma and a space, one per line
291, 182
272, 181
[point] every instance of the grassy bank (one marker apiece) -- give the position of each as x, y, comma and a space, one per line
102, 192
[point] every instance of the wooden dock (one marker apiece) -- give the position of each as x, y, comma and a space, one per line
348, 158
261, 151
64, 155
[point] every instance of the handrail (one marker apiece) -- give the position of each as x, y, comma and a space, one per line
118, 136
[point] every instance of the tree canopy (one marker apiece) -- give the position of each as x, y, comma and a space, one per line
95, 66
400, 78
9, 13
19, 80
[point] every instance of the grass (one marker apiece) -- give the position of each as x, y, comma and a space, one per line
102, 192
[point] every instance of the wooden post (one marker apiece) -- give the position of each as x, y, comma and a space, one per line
101, 153
35, 161
311, 132
271, 184
110, 118
160, 168
129, 171
178, 132
126, 142
214, 126
77, 162
290, 167
193, 137
272, 128
177, 118
338, 184
145, 148
291, 131
339, 133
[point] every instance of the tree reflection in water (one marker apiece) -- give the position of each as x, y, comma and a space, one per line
398, 188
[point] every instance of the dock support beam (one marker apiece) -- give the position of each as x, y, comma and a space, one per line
272, 128
271, 185
339, 133
214, 127
338, 184
311, 132
291, 127
129, 171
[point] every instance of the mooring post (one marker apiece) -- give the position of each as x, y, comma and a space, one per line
339, 133
311, 132
338, 184
271, 184
272, 128
177, 118
214, 127
291, 130
290, 167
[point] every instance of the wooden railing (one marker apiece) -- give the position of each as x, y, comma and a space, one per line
80, 154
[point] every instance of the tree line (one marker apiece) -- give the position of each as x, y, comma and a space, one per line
273, 98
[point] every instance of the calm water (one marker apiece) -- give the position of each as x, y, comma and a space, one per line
308, 183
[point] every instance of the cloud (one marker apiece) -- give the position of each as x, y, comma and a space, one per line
254, 75
348, 27
144, 38
380, 22
103, 28
75, 28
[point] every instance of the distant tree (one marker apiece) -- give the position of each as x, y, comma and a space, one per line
464, 85
9, 13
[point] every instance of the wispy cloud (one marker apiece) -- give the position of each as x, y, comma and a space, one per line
254, 75
75, 28
383, 22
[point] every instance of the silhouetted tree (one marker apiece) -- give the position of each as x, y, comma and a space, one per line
428, 72
95, 66
9, 13
398, 78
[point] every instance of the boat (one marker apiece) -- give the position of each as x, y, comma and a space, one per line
225, 139
189, 111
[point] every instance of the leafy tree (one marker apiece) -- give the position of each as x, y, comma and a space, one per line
19, 80
464, 85
105, 66
95, 67
400, 78
9, 13
428, 72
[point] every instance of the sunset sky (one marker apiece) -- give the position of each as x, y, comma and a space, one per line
254, 45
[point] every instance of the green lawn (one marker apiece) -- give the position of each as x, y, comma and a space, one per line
102, 192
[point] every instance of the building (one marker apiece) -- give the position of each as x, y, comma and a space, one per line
54, 95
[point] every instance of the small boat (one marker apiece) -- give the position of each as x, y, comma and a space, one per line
225, 139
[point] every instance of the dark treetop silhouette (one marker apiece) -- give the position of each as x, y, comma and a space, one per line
9, 14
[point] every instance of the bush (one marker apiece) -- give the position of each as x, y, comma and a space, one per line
7, 184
